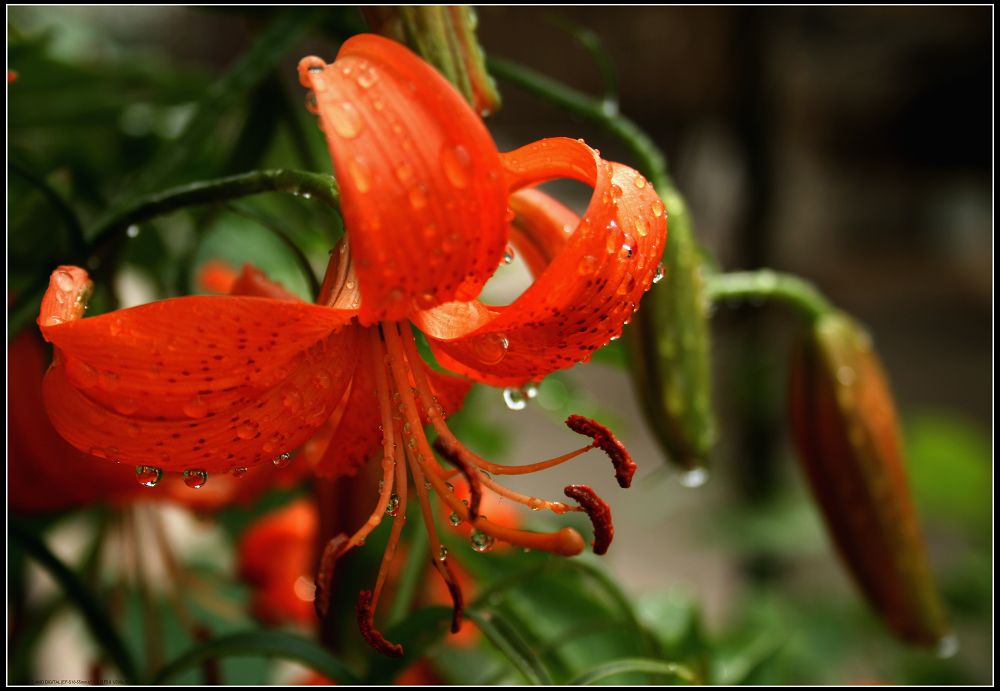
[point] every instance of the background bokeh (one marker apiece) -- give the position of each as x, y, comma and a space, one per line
852, 146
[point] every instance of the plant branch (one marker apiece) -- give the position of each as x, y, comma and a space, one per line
766, 284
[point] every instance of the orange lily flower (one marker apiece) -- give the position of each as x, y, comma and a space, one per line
216, 384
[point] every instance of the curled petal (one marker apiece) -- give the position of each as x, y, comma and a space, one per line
423, 191
588, 290
210, 383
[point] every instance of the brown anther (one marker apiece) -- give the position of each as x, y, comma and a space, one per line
605, 440
469, 472
331, 553
597, 511
366, 623
457, 601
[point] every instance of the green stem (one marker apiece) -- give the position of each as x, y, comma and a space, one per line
766, 284
103, 238
301, 183
77, 593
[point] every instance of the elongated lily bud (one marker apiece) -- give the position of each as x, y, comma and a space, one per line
844, 429
446, 38
670, 349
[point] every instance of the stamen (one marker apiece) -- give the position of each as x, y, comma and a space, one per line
365, 611
334, 549
397, 528
599, 513
605, 440
438, 558
470, 474
388, 447
566, 541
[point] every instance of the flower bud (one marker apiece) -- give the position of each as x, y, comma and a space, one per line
844, 430
670, 350
445, 37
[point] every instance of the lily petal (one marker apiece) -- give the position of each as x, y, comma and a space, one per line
422, 188
585, 294
210, 383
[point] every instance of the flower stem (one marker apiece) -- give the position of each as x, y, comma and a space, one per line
297, 182
765, 284
105, 237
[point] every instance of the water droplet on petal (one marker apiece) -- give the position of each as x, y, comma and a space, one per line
530, 390
282, 461
490, 348
345, 119
404, 171
246, 430
238, 472
64, 281
195, 479
195, 408
293, 401
454, 518
457, 165
148, 476
514, 398
367, 78
481, 542
657, 208
508, 255
587, 265
639, 181
694, 478
358, 170
641, 227
443, 552
418, 196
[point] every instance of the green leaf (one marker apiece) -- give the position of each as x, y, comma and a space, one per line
509, 642
280, 644
637, 665
94, 614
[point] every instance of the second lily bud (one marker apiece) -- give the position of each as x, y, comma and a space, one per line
844, 430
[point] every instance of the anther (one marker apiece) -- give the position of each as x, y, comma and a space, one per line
331, 553
605, 440
366, 624
597, 511
469, 472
